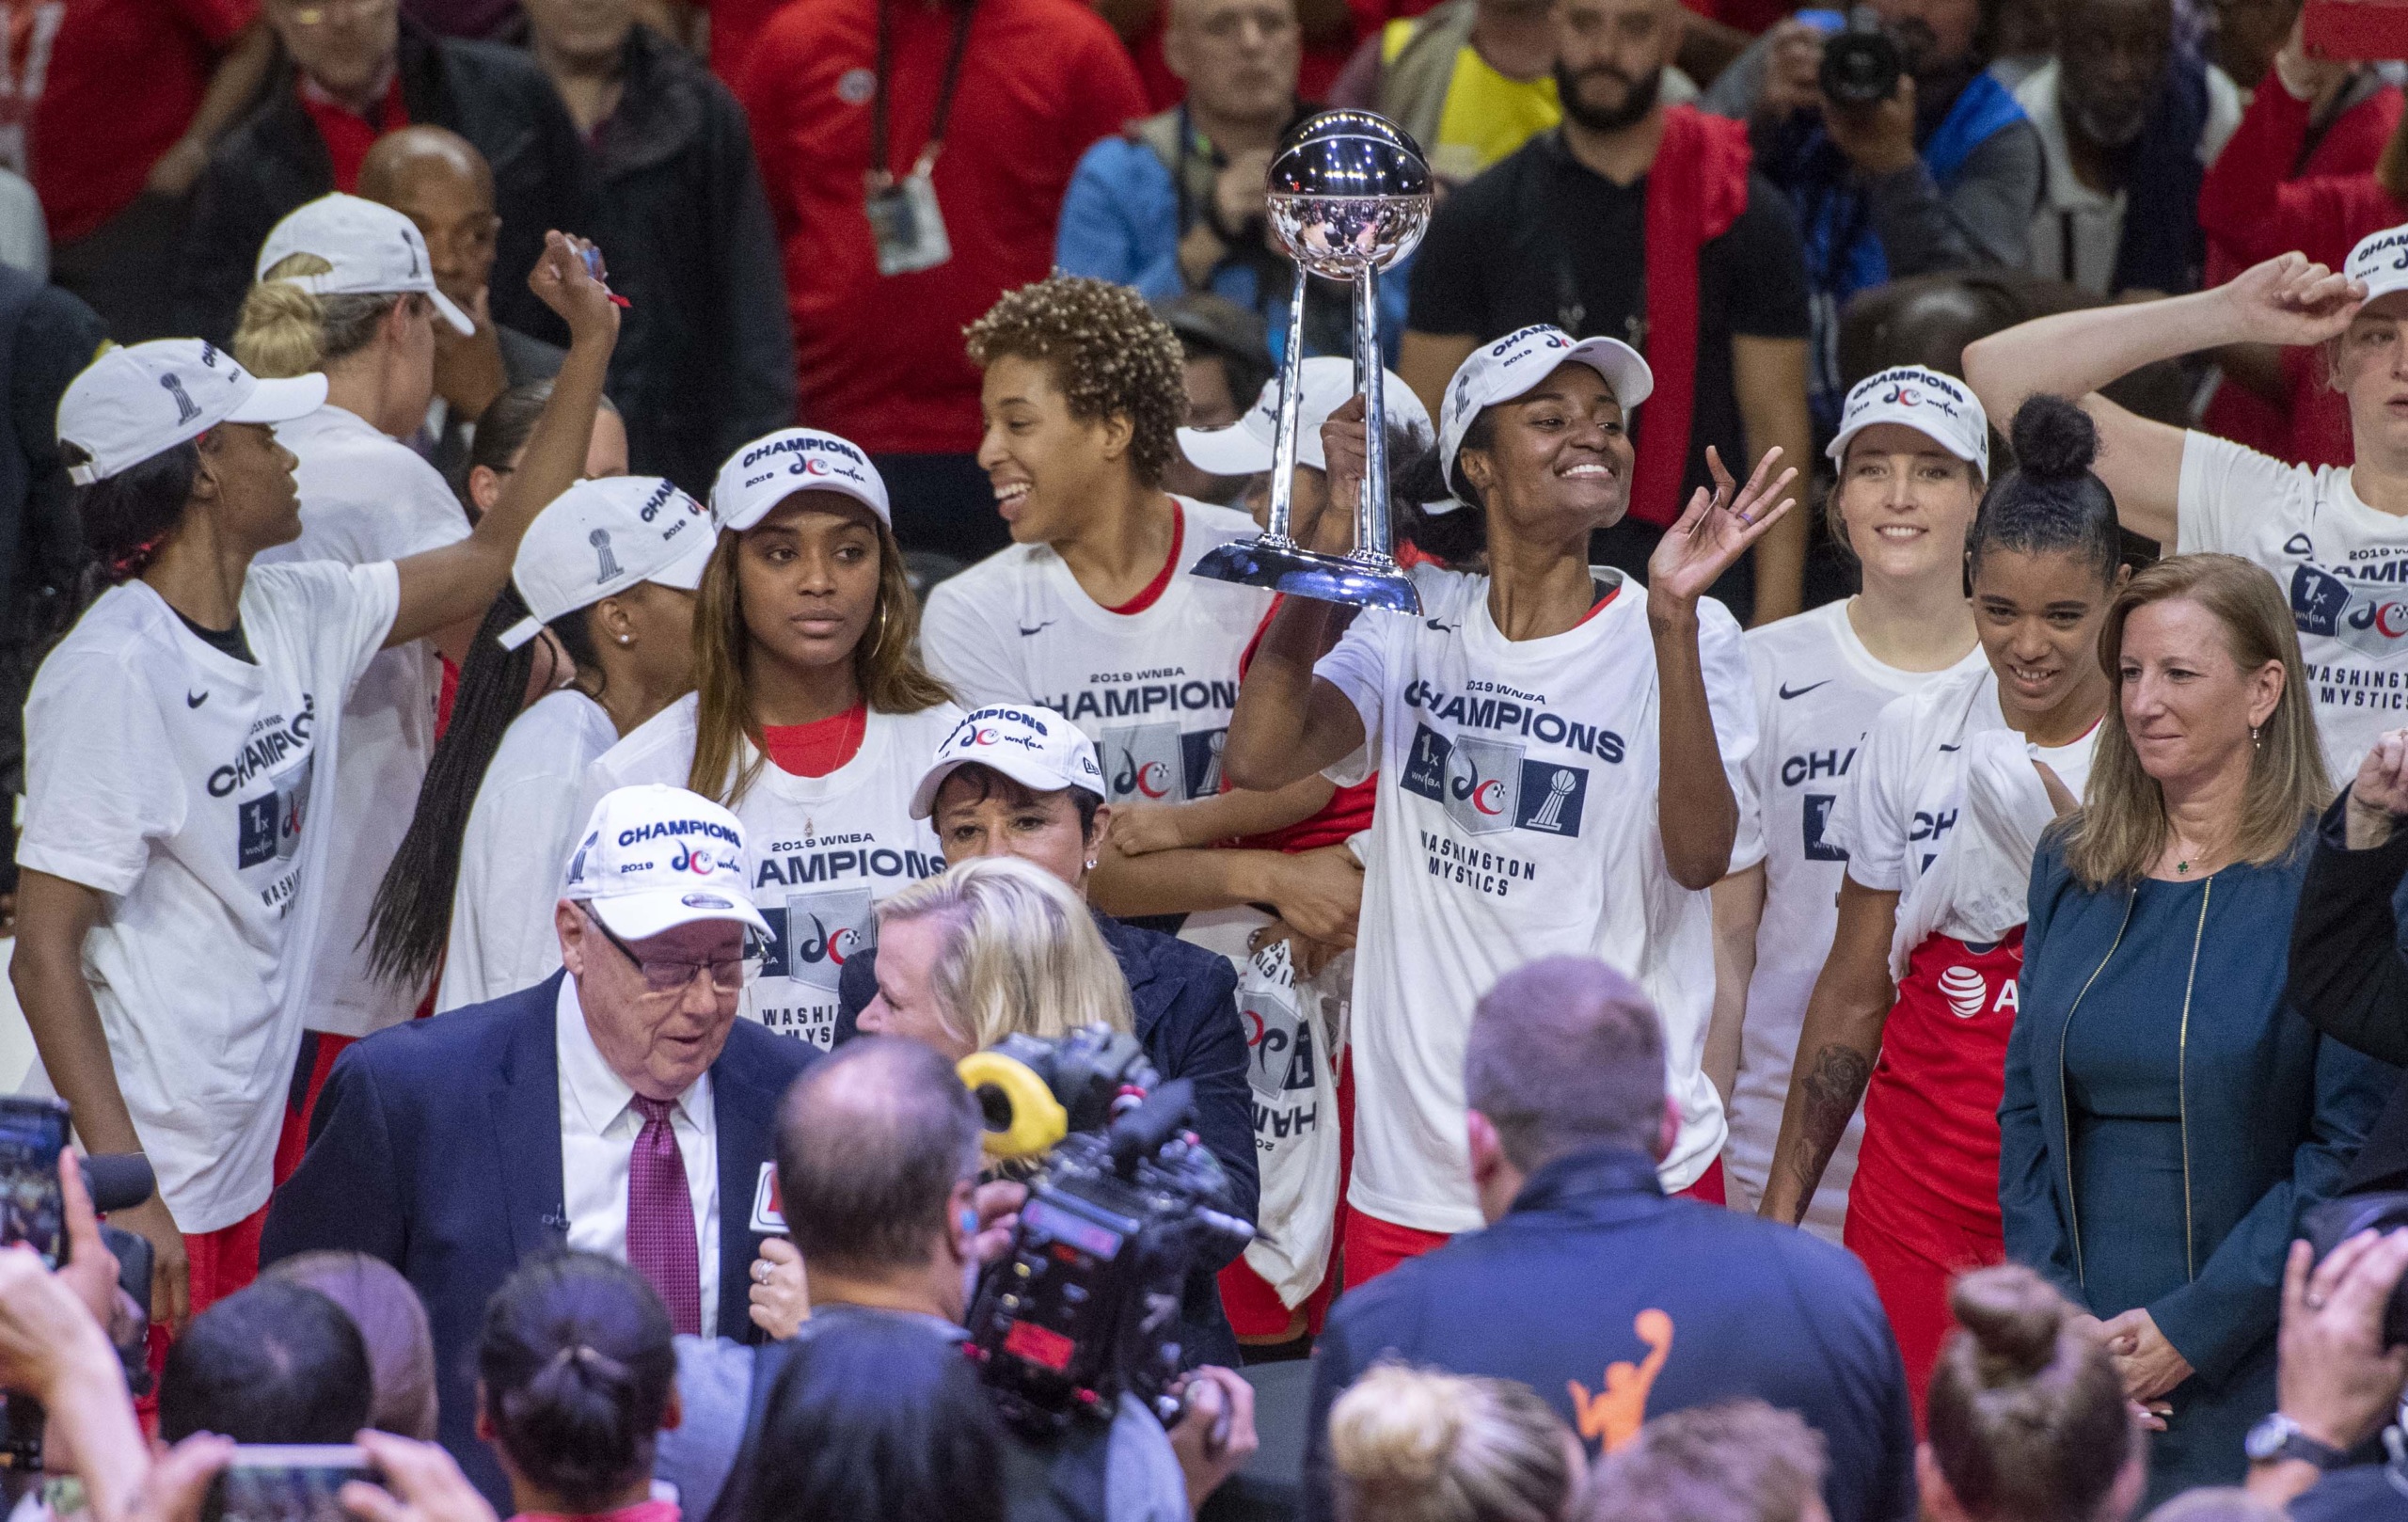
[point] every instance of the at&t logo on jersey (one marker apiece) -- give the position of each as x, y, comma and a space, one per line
1487, 785
1969, 996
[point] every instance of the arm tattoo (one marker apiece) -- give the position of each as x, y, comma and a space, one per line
1834, 1086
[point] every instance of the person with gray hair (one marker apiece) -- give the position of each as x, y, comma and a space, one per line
1591, 1287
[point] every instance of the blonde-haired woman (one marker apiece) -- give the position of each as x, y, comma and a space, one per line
1415, 1445
346, 290
996, 947
811, 717
2166, 1114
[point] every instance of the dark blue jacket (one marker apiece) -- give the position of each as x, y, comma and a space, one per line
436, 1146
1183, 1001
1617, 1303
2272, 1111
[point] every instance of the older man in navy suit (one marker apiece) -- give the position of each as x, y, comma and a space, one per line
620, 1107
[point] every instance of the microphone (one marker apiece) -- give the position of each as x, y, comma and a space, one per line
118, 1181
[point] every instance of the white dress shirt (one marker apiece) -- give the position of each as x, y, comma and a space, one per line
600, 1124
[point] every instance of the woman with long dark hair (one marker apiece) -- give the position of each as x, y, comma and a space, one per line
1556, 749
605, 582
170, 843
812, 717
576, 1375
1911, 1010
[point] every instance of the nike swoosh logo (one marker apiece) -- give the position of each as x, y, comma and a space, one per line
1443, 628
1039, 630
1945, 749
192, 701
1799, 693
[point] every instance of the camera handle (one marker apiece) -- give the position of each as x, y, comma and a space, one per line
1146, 1130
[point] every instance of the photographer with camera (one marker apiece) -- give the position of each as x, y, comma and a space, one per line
878, 1158
2340, 1383
1901, 154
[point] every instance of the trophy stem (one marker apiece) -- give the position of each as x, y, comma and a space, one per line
1291, 406
1372, 506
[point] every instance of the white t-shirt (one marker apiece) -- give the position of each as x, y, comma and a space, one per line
1153, 690
824, 848
520, 832
1516, 819
179, 781
1818, 689
2343, 564
1904, 796
368, 497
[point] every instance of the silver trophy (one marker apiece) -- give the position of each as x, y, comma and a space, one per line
1349, 196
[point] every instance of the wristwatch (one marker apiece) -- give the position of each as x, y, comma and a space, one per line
2276, 1438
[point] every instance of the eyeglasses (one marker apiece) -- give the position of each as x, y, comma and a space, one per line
665, 975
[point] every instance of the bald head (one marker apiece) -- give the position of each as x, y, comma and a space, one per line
872, 1142
1564, 1054
438, 179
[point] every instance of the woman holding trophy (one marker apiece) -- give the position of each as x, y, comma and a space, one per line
1557, 749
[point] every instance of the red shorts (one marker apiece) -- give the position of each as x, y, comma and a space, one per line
1373, 1246
1911, 1275
319, 1050
222, 1262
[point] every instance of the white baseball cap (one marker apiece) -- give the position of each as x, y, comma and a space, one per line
654, 857
1940, 407
1513, 366
1036, 748
1245, 448
375, 250
2381, 261
774, 467
134, 403
598, 538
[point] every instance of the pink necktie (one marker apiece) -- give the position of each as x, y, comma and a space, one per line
660, 1218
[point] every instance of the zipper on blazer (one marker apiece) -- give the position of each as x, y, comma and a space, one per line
2065, 1106
2181, 1083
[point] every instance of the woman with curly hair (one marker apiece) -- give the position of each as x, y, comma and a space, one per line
811, 717
1091, 611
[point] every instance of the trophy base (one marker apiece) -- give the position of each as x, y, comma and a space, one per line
1358, 581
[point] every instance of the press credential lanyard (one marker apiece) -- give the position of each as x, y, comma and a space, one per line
904, 218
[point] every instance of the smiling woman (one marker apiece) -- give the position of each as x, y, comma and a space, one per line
2166, 1112
811, 715
1936, 820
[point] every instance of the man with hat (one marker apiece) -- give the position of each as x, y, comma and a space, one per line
617, 1107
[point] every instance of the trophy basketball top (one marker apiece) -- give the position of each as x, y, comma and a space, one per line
1349, 191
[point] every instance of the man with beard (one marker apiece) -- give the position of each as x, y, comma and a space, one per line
2128, 123
1642, 222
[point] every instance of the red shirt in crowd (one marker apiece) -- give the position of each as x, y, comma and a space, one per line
2267, 194
102, 89
880, 359
349, 135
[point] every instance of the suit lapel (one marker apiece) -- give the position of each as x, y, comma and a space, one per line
523, 1100
744, 1112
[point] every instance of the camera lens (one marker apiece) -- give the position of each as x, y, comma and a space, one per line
1860, 68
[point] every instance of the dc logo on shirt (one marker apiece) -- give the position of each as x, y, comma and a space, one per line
268, 829
815, 933
2370, 621
1490, 785
1156, 763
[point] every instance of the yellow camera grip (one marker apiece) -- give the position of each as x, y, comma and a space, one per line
1039, 1120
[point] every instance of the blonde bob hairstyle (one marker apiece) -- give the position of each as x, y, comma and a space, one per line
1021, 954
886, 667
2121, 831
1415, 1445
285, 331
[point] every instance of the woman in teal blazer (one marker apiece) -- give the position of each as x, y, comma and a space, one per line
2166, 1114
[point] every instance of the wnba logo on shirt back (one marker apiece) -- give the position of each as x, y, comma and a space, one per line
815, 934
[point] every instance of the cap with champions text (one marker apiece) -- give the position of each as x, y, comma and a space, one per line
375, 250
1036, 748
1940, 407
2380, 263
1245, 448
773, 467
1513, 366
134, 403
598, 538
654, 857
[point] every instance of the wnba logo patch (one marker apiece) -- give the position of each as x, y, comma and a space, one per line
1966, 991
